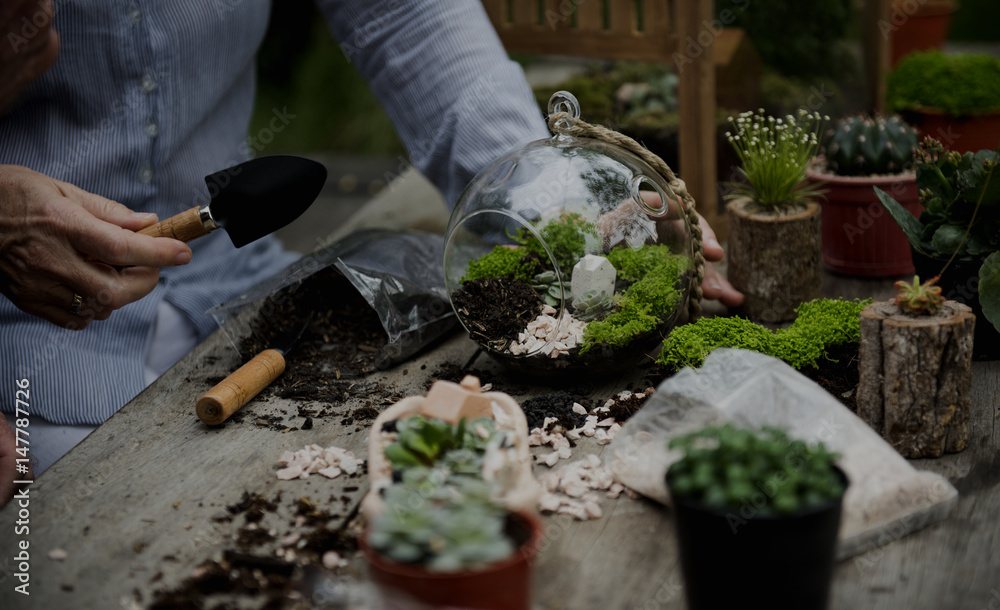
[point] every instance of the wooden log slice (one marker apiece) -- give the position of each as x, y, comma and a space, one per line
915, 375
774, 260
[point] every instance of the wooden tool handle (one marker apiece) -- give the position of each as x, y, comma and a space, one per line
216, 405
185, 226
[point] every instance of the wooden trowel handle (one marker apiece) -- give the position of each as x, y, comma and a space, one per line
216, 405
185, 226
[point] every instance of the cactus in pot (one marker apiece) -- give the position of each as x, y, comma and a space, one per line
865, 146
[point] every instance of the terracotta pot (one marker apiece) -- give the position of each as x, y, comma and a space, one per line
859, 237
919, 26
964, 134
504, 585
786, 560
774, 260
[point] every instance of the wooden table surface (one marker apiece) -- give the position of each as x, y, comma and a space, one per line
136, 505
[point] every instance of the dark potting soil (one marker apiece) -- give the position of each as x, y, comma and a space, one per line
839, 378
343, 338
557, 404
496, 310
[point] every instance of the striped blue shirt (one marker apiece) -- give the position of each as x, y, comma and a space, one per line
146, 98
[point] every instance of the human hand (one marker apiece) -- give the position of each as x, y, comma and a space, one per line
57, 240
8, 463
669, 226
28, 45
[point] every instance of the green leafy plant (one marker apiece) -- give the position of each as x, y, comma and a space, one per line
919, 299
566, 236
502, 262
428, 441
653, 296
864, 146
820, 325
724, 466
961, 218
959, 84
443, 522
551, 289
774, 155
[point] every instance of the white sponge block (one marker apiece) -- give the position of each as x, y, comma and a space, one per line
595, 273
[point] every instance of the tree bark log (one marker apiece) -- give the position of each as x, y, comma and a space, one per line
774, 260
915, 374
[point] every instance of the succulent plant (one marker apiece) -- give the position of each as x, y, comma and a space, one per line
591, 305
428, 441
724, 466
865, 146
549, 287
444, 522
919, 299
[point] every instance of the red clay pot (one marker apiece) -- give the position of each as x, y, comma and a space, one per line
963, 134
919, 26
504, 585
860, 238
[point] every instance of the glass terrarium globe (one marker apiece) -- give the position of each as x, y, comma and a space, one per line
568, 254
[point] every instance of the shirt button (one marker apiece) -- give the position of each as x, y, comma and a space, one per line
146, 175
151, 129
135, 14
147, 83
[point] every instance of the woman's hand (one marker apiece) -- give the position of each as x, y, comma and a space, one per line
58, 241
715, 286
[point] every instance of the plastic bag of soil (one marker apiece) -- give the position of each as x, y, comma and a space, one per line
887, 497
376, 297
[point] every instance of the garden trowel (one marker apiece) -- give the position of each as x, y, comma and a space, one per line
216, 405
249, 200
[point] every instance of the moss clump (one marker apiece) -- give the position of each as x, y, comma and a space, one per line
652, 297
959, 84
566, 236
502, 262
821, 324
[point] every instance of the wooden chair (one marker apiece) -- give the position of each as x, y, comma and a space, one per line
677, 32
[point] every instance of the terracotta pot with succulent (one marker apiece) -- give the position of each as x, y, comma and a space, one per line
952, 97
750, 505
957, 237
455, 524
920, 405
860, 152
774, 217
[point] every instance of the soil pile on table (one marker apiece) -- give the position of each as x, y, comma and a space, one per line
343, 339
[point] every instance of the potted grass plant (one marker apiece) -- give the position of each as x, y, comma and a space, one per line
858, 153
957, 237
954, 98
750, 505
774, 216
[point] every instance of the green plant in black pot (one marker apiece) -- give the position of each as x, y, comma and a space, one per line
958, 234
752, 504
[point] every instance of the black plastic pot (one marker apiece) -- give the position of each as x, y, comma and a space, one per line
737, 559
960, 282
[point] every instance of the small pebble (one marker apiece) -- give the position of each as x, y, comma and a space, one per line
57, 554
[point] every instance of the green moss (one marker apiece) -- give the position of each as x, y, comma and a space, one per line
566, 236
959, 84
652, 297
820, 325
502, 262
